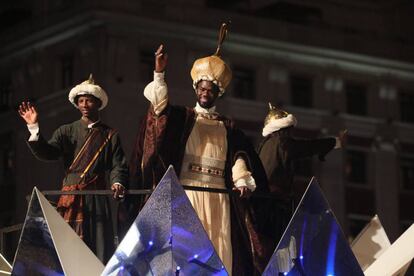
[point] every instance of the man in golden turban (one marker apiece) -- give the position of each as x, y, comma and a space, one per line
206, 150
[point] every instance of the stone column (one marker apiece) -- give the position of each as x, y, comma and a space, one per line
386, 188
333, 184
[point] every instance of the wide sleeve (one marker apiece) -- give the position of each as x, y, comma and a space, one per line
242, 177
48, 150
119, 169
157, 93
307, 148
251, 169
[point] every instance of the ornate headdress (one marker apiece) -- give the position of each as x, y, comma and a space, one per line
213, 68
277, 119
88, 87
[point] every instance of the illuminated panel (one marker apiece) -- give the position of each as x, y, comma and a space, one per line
313, 243
166, 238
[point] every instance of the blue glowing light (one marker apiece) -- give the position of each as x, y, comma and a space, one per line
330, 264
178, 268
302, 239
285, 273
150, 243
195, 256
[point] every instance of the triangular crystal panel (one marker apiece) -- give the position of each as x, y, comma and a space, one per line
36, 253
49, 246
5, 267
166, 238
370, 243
313, 243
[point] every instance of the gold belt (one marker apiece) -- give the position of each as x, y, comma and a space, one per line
199, 168
203, 169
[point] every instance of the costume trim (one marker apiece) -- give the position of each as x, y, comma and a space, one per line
278, 124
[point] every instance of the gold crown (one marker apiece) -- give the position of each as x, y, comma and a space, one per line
274, 114
90, 80
213, 68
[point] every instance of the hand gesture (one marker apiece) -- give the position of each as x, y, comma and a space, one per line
118, 191
28, 112
244, 191
160, 59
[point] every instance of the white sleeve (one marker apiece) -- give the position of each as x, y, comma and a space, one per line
34, 132
157, 93
338, 143
241, 176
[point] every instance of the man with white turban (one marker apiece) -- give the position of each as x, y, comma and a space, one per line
278, 152
89, 149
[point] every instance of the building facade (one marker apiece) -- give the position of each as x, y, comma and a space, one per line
334, 65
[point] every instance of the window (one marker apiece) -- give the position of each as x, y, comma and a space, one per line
407, 106
146, 66
356, 99
12, 15
7, 180
7, 159
407, 173
5, 94
243, 83
67, 71
356, 166
301, 91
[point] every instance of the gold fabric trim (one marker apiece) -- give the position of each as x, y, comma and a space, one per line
203, 169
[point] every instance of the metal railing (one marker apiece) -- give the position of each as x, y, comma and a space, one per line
17, 227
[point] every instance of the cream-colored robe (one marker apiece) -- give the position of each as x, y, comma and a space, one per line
206, 146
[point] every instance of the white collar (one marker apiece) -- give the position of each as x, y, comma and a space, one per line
278, 124
92, 124
199, 109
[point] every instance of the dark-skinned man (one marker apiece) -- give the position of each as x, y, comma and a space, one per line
89, 149
279, 151
206, 150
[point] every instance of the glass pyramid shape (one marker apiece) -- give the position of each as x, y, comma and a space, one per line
49, 246
313, 243
5, 267
166, 238
36, 253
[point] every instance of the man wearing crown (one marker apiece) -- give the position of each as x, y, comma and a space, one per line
89, 149
278, 152
206, 150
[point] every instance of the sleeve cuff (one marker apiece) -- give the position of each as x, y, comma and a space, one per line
156, 92
246, 182
338, 144
117, 183
159, 77
34, 132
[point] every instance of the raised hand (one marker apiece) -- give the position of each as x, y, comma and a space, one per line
28, 112
160, 59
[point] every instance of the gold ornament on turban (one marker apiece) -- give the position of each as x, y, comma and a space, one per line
213, 68
277, 119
